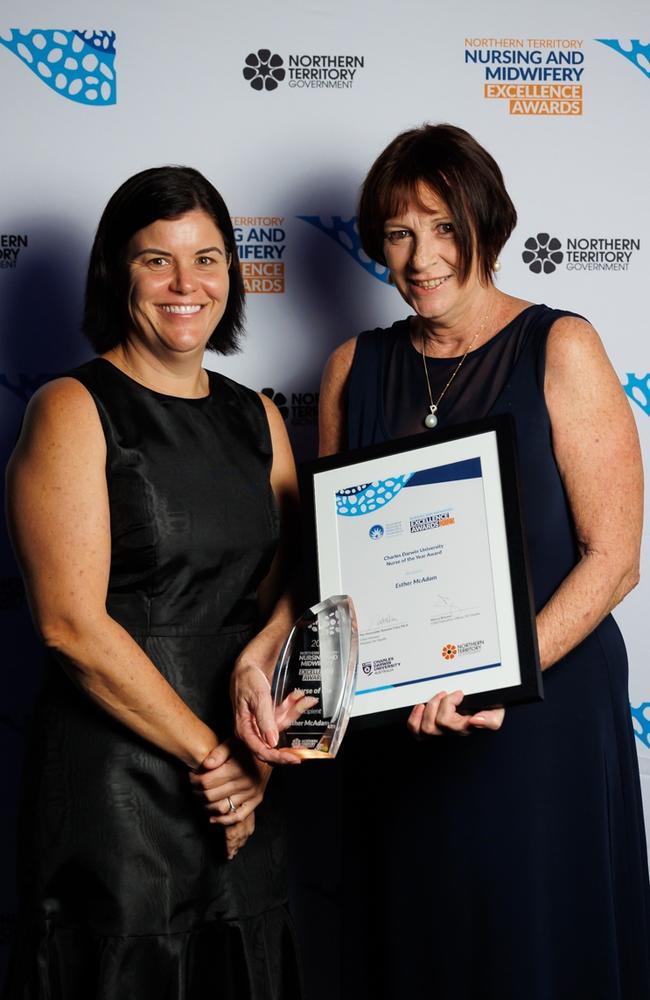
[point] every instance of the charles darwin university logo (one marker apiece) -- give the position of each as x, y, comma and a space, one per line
265, 71
78, 65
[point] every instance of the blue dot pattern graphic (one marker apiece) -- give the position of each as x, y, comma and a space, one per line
637, 388
641, 722
346, 234
636, 51
78, 65
367, 498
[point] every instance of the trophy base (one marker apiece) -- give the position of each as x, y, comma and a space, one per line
320, 751
313, 754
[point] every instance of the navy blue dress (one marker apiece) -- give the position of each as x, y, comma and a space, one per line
126, 889
509, 865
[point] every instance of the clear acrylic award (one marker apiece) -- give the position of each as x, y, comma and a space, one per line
319, 658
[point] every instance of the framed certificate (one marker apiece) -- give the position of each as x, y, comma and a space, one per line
425, 534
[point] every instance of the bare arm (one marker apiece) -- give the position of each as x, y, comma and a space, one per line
597, 451
332, 415
59, 521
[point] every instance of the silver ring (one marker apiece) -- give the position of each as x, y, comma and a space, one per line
233, 807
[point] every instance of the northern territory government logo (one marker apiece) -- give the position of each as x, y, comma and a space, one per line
544, 254
534, 76
11, 246
266, 70
304, 406
261, 243
78, 65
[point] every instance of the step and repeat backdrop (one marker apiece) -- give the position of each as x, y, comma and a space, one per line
284, 107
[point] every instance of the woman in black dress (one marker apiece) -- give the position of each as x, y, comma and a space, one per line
147, 497
511, 863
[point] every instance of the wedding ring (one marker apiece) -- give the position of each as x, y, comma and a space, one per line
233, 807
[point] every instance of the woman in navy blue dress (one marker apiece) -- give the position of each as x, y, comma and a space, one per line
497, 856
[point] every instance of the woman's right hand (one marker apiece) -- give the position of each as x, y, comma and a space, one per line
230, 783
257, 723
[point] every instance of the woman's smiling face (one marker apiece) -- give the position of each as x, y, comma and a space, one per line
421, 251
179, 282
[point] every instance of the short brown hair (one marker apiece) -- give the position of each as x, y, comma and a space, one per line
455, 166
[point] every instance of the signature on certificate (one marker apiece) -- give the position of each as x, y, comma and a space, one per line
445, 603
383, 620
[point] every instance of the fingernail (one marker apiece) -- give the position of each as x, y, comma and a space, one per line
271, 737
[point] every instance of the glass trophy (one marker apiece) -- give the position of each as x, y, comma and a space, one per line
319, 658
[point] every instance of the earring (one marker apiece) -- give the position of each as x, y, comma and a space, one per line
496, 266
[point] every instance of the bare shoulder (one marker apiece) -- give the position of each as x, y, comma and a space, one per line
61, 415
582, 389
60, 399
331, 405
571, 340
339, 363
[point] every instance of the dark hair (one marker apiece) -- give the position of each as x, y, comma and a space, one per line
157, 193
451, 162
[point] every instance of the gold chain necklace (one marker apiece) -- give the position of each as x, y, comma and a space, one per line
431, 420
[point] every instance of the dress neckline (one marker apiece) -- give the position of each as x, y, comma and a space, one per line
478, 351
163, 395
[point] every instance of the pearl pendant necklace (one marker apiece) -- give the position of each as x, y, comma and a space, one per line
431, 419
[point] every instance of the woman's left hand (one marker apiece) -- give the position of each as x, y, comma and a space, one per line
237, 834
440, 715
230, 790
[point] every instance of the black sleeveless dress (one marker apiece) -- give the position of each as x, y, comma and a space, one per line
128, 894
509, 865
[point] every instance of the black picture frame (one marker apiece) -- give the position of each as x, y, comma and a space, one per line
500, 431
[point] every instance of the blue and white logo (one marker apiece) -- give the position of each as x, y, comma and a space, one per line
641, 722
345, 234
376, 532
78, 65
636, 51
637, 388
355, 501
